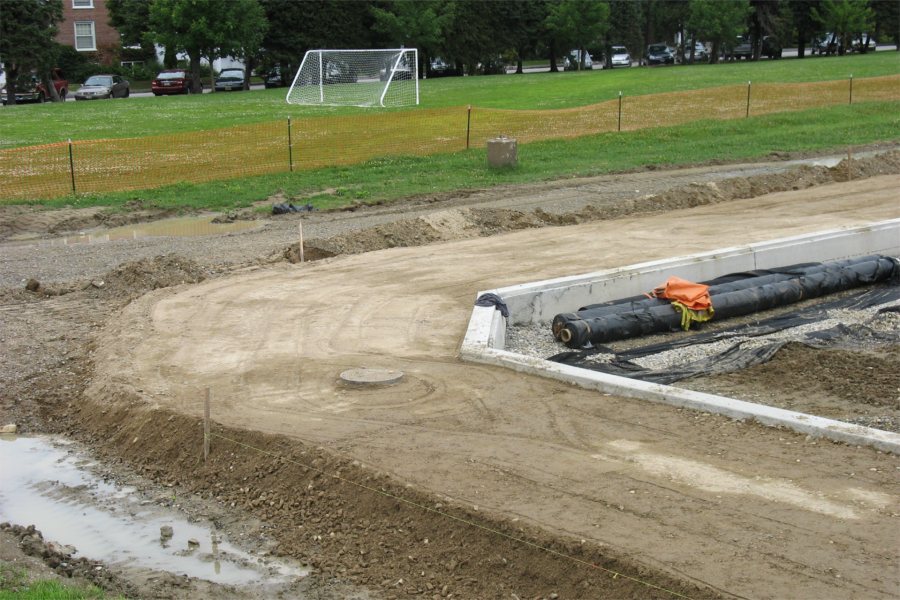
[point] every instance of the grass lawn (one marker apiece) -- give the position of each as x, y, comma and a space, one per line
394, 178
46, 123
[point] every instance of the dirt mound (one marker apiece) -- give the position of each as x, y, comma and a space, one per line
127, 281
137, 278
349, 521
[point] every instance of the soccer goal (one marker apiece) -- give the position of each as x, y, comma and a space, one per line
357, 78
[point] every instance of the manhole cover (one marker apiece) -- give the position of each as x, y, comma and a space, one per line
364, 376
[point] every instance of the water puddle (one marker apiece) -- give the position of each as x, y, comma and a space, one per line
48, 485
176, 227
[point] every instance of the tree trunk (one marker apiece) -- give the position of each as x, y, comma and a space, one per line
52, 94
519, 67
12, 74
552, 52
714, 53
801, 45
196, 85
248, 69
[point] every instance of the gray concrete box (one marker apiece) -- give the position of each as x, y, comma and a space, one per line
502, 152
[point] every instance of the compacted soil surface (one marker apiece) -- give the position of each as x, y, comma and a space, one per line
459, 480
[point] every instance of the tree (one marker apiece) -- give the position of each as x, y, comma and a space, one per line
208, 28
719, 21
27, 32
804, 23
131, 18
412, 25
887, 20
765, 19
625, 19
295, 27
580, 23
845, 18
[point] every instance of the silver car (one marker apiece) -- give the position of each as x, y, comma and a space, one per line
619, 57
103, 86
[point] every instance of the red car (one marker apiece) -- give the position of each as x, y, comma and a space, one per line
172, 81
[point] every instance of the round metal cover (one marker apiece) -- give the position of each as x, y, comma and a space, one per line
366, 376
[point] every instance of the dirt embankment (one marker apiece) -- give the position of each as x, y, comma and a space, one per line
397, 547
463, 223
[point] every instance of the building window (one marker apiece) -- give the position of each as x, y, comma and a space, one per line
84, 36
82, 3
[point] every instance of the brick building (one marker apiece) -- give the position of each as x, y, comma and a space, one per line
85, 27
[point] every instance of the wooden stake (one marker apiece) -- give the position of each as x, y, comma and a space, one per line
206, 427
300, 227
849, 165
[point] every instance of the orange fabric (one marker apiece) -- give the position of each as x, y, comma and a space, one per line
692, 295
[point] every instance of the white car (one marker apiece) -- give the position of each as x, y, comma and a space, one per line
619, 57
574, 58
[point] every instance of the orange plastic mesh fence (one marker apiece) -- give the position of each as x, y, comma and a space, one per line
35, 172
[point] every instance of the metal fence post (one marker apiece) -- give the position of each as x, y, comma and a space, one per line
290, 147
468, 124
72, 166
851, 88
619, 128
748, 99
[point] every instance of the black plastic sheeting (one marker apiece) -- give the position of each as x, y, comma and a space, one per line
743, 353
733, 295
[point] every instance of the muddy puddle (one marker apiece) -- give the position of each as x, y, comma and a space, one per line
176, 227
47, 483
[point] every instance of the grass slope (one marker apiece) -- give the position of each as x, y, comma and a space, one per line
45, 123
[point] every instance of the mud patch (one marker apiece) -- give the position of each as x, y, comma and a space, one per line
859, 387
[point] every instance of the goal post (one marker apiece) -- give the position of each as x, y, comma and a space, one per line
382, 77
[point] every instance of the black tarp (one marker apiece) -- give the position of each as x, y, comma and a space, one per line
744, 351
732, 295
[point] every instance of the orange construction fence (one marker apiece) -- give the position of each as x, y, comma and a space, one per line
65, 168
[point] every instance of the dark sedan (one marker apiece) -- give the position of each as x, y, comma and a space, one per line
103, 86
659, 54
230, 80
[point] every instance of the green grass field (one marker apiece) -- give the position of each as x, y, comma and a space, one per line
40, 124
389, 179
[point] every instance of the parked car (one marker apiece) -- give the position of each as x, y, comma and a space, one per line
441, 68
659, 54
743, 49
864, 41
573, 61
172, 81
700, 52
401, 71
230, 80
826, 44
31, 89
619, 57
273, 79
103, 86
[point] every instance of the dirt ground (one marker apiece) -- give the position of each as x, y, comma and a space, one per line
461, 480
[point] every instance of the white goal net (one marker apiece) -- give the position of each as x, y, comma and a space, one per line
357, 78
